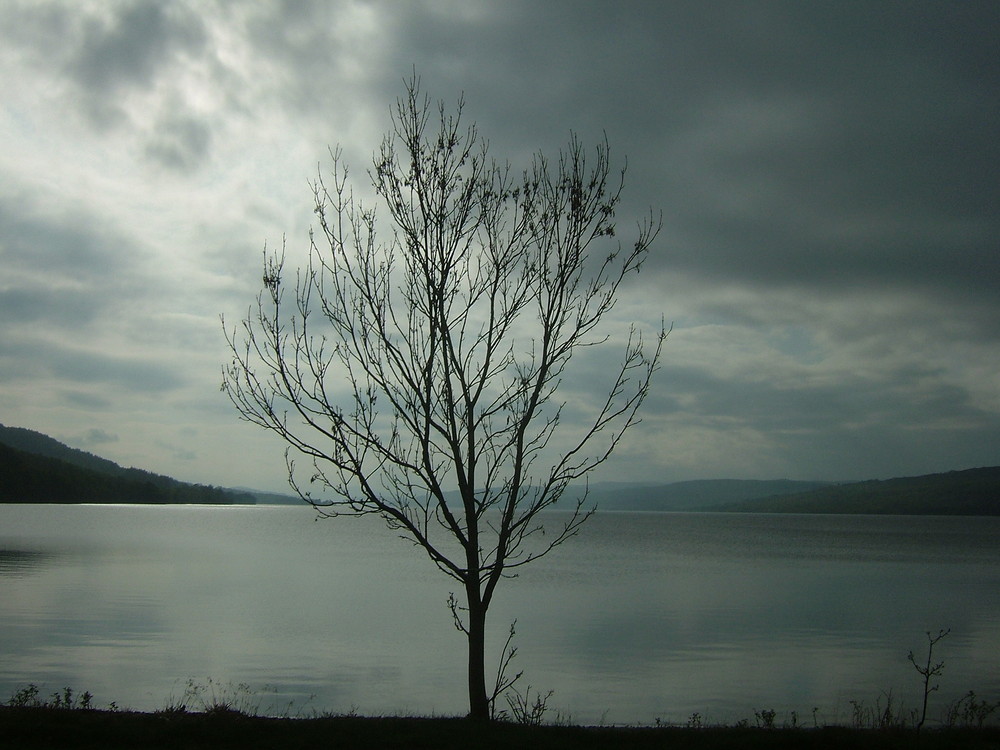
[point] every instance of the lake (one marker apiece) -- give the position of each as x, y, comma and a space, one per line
643, 616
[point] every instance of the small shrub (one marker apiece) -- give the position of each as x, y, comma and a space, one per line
563, 720
969, 711
503, 682
524, 710
26, 697
765, 718
879, 716
290, 710
66, 700
214, 698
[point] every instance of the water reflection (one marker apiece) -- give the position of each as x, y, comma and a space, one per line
15, 562
644, 616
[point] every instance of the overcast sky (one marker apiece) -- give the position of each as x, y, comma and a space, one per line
828, 173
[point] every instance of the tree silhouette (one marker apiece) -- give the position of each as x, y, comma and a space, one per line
416, 368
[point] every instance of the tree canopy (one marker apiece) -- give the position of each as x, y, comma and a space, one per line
418, 355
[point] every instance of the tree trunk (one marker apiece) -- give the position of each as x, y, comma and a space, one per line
479, 705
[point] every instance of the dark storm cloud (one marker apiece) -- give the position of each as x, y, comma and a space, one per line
839, 148
892, 207
811, 145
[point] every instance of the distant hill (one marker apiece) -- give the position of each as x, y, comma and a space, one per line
698, 495
35, 468
40, 444
263, 497
973, 492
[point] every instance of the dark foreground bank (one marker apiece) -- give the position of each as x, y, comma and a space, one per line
32, 728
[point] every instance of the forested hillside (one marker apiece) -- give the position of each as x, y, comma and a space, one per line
973, 492
35, 468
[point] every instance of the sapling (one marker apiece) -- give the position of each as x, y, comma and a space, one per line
927, 671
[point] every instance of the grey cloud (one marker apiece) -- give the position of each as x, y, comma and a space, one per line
131, 48
813, 145
911, 396
27, 305
179, 453
81, 400
816, 156
870, 317
884, 451
106, 50
326, 57
901, 420
68, 269
73, 246
827, 173
180, 142
36, 359
94, 437
41, 30
826, 211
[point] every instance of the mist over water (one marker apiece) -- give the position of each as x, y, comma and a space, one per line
643, 616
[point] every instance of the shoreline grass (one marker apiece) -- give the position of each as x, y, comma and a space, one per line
48, 726
225, 715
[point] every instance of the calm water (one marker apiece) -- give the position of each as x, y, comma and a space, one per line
643, 616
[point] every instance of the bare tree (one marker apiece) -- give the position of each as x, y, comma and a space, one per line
929, 671
417, 371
